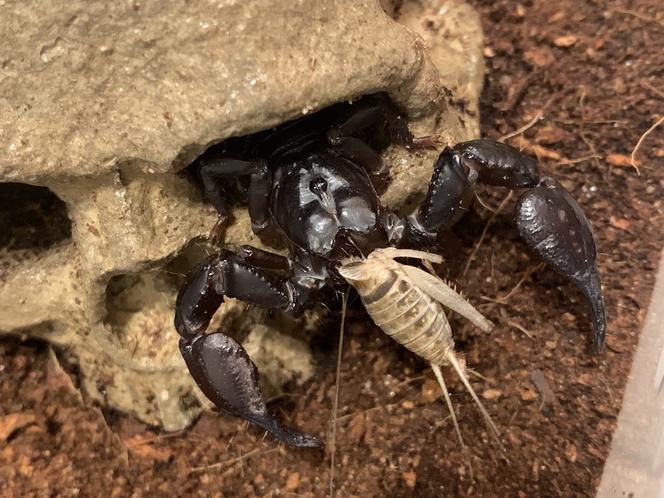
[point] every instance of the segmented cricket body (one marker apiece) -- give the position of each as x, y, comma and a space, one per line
407, 304
410, 317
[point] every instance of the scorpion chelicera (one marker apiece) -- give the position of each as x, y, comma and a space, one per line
313, 178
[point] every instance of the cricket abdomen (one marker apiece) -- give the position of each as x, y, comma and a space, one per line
408, 315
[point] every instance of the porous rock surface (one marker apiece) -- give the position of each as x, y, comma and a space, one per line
104, 103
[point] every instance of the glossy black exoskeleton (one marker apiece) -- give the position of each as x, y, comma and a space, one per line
313, 179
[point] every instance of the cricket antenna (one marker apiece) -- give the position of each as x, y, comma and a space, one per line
487, 418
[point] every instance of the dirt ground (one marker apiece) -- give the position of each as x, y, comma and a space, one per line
594, 70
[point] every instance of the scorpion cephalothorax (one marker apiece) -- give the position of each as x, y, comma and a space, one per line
313, 179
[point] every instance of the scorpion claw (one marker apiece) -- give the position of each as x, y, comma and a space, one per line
227, 376
554, 226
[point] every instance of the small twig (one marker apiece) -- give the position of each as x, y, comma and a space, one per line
486, 227
439, 424
638, 15
519, 327
230, 461
594, 122
484, 204
582, 132
335, 404
517, 91
158, 437
577, 160
477, 374
230, 441
372, 409
409, 381
646, 84
171, 434
529, 271
525, 127
632, 159
608, 388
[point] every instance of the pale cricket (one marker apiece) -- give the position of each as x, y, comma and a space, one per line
407, 302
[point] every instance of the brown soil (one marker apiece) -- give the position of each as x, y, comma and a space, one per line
595, 71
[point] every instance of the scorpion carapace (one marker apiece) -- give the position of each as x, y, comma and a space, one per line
313, 179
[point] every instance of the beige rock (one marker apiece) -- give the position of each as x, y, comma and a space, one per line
103, 103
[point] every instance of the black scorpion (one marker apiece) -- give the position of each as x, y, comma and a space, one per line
313, 178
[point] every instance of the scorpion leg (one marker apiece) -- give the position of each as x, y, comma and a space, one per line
374, 121
377, 118
359, 152
447, 199
549, 219
219, 365
214, 169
